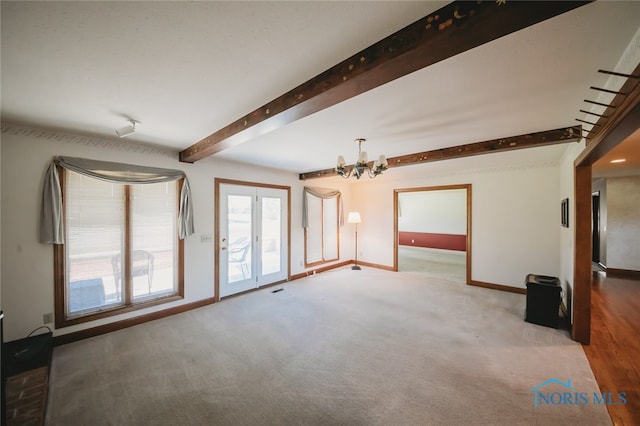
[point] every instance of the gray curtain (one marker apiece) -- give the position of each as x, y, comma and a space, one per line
320, 193
51, 229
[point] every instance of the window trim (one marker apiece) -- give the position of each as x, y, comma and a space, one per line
323, 261
59, 267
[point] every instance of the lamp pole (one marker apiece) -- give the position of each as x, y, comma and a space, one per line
356, 267
354, 217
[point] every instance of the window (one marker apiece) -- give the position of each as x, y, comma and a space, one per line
321, 233
121, 249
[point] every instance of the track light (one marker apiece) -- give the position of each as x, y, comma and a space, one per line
127, 130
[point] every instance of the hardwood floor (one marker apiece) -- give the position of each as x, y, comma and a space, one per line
614, 352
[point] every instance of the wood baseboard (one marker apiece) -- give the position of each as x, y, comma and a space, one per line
375, 265
500, 287
321, 269
118, 325
623, 273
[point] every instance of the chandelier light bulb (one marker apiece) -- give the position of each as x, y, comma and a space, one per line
362, 165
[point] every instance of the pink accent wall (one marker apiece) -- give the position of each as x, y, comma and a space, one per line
439, 241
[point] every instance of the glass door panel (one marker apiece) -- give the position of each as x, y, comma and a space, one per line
253, 233
271, 235
236, 246
239, 215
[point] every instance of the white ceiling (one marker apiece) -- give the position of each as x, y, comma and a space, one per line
187, 69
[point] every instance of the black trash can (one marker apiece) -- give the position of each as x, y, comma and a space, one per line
543, 300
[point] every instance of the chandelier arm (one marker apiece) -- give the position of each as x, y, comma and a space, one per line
373, 169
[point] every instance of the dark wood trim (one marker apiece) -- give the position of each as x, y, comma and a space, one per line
127, 279
451, 30
530, 140
129, 304
322, 269
120, 309
375, 265
249, 183
180, 246
216, 239
434, 188
465, 186
620, 120
323, 261
623, 273
60, 264
396, 228
582, 260
288, 232
469, 230
500, 287
216, 230
119, 325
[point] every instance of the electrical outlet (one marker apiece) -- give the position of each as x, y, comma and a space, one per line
47, 318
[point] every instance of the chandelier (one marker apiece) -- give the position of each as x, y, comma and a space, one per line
362, 165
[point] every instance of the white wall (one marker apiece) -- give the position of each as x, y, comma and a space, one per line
567, 235
623, 223
27, 265
439, 212
515, 220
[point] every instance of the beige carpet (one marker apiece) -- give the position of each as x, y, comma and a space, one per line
448, 264
344, 347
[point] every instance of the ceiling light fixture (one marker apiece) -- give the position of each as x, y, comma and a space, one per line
619, 160
362, 165
127, 130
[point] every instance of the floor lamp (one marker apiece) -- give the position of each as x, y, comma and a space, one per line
354, 217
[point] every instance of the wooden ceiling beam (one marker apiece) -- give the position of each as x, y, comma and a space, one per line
453, 29
530, 140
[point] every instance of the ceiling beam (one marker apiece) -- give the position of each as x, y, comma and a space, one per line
453, 29
530, 140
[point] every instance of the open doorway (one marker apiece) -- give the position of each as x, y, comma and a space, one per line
432, 226
595, 228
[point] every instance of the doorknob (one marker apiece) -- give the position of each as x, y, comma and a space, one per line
223, 248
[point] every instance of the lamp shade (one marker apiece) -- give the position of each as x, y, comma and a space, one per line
354, 217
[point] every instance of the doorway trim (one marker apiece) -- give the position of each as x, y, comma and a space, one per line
396, 192
596, 225
216, 229
620, 124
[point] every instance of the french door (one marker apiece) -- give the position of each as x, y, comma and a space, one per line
252, 246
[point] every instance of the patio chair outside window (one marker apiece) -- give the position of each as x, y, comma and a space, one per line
238, 251
141, 264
